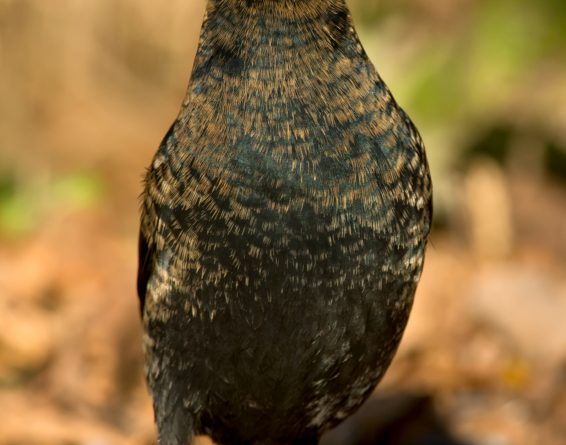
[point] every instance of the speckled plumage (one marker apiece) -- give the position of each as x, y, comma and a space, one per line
284, 224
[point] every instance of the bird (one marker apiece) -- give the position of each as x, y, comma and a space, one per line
284, 223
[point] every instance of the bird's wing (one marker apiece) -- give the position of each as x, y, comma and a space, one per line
146, 253
404, 177
152, 201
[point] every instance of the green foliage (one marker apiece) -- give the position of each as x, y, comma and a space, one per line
473, 61
17, 207
25, 200
78, 189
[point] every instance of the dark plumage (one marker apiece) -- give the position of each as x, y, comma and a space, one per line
285, 218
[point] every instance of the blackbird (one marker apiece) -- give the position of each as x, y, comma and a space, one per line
283, 230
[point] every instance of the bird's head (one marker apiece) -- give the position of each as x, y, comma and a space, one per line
290, 8
242, 27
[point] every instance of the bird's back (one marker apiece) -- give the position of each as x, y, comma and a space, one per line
284, 224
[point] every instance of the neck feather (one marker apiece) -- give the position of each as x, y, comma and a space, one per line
281, 78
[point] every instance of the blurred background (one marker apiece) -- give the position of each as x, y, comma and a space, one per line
89, 87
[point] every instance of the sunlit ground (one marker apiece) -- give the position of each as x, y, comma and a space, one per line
87, 90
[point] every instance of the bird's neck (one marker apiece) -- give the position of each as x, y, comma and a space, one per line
262, 43
287, 70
